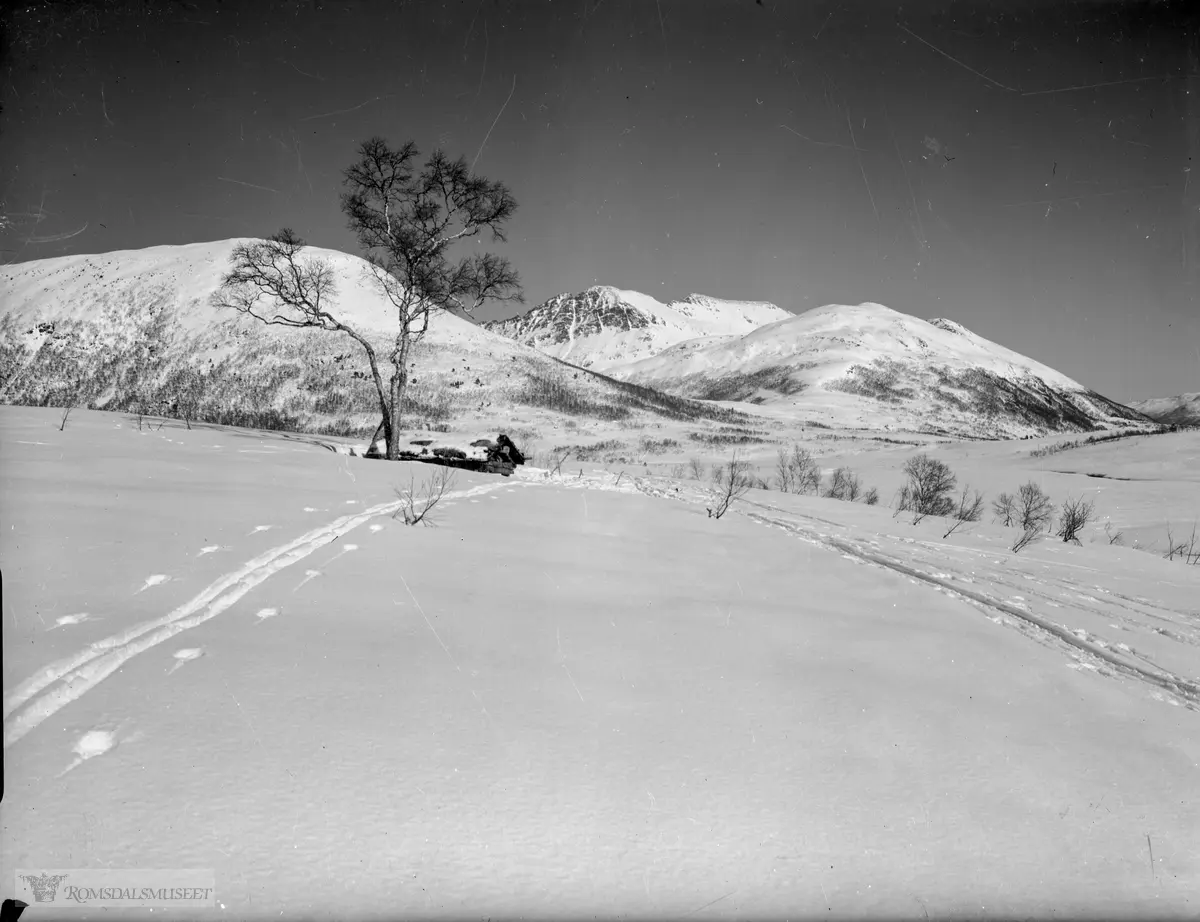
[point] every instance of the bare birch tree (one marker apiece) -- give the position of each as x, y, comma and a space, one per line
406, 222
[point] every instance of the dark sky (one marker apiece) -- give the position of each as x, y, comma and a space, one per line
1021, 168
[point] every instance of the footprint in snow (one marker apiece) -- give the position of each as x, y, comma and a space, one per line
308, 574
156, 580
212, 549
264, 613
258, 528
96, 743
351, 502
312, 509
376, 527
185, 655
346, 549
68, 620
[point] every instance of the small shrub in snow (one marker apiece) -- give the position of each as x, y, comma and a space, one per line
969, 509
416, 503
1186, 550
1005, 507
1047, 450
1074, 516
556, 463
1034, 509
930, 483
844, 485
526, 435
731, 481
696, 468
656, 446
1028, 536
796, 471
1118, 538
871, 497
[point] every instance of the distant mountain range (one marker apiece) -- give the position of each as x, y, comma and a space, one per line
136, 328
855, 365
1183, 410
603, 327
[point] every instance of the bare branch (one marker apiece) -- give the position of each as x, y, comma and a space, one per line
732, 481
970, 509
431, 493
300, 290
1028, 536
304, 288
1075, 514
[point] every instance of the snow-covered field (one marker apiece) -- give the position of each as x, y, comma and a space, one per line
580, 695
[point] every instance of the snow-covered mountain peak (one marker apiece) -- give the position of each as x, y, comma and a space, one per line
719, 303
603, 326
909, 371
950, 326
1181, 410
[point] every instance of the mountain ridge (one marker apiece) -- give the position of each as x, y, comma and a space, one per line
604, 326
136, 330
1179, 410
903, 371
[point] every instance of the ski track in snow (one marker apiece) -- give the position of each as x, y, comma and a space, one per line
1185, 689
82, 671
70, 678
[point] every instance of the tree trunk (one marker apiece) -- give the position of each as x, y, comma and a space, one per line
399, 383
378, 379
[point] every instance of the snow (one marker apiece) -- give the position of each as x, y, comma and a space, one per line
582, 695
583, 328
61, 286
810, 355
836, 336
1184, 409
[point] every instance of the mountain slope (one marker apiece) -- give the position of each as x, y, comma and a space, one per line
603, 326
880, 368
135, 329
1183, 410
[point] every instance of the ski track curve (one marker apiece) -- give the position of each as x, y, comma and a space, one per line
80, 672
1186, 689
